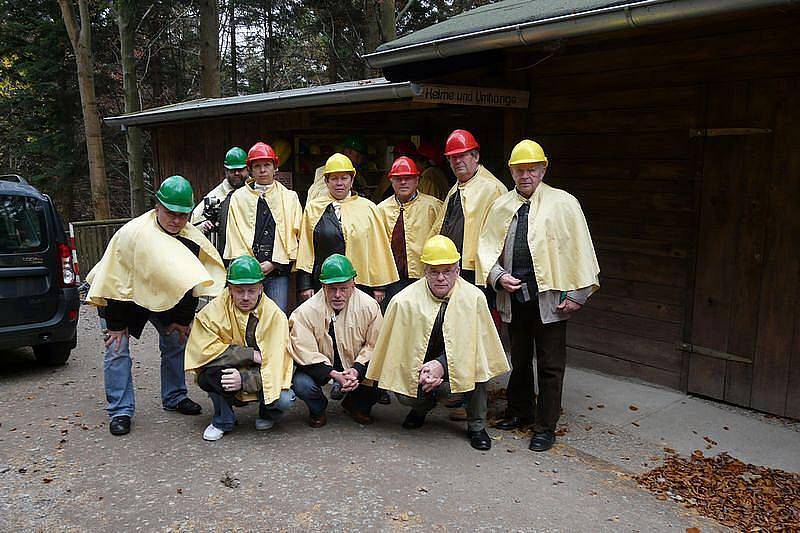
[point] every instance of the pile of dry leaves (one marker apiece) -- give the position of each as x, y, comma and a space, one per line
743, 496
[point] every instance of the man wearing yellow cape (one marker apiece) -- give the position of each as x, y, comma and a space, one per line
237, 350
438, 340
536, 251
154, 269
342, 222
331, 338
263, 221
468, 200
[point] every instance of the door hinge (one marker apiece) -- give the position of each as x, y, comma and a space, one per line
716, 354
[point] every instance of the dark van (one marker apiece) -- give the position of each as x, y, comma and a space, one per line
39, 298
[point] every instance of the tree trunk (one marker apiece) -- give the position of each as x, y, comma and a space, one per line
127, 30
209, 49
234, 58
388, 26
270, 55
81, 38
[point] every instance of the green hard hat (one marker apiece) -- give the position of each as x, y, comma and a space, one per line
176, 194
244, 270
356, 142
336, 269
235, 158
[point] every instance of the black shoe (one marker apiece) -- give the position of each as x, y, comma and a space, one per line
384, 398
186, 407
120, 425
542, 441
480, 440
413, 420
513, 422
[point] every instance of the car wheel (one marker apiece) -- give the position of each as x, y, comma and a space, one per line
55, 354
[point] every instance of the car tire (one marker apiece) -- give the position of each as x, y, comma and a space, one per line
55, 354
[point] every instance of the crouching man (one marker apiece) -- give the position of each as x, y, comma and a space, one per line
237, 349
438, 340
332, 335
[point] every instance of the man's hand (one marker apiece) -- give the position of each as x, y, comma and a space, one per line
306, 294
379, 295
267, 267
206, 227
431, 376
231, 380
112, 337
183, 331
352, 380
257, 357
567, 307
510, 283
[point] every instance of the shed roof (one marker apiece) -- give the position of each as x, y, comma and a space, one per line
370, 90
522, 22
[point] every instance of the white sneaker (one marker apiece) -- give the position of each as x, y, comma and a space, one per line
263, 424
212, 433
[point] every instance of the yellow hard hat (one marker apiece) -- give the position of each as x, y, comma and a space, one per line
440, 250
527, 151
339, 163
283, 149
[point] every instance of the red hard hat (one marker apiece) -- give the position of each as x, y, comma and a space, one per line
403, 166
405, 148
429, 151
460, 141
261, 151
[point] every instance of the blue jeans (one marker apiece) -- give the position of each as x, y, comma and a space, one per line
277, 289
224, 418
119, 380
311, 393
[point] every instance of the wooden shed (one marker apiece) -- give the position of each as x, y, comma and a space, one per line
676, 124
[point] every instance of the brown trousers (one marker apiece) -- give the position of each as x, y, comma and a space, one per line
550, 342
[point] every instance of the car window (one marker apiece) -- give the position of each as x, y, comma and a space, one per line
22, 225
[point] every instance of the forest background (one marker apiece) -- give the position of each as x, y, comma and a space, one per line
65, 64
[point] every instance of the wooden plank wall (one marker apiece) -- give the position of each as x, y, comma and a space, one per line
614, 117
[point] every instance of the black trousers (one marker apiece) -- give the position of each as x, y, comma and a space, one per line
550, 342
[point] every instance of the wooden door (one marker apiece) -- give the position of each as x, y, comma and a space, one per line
743, 345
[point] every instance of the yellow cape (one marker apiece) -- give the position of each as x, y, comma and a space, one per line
477, 196
221, 324
433, 182
318, 187
474, 351
145, 265
220, 192
240, 229
366, 244
356, 330
558, 238
418, 217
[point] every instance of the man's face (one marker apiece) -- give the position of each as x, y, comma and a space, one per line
339, 184
170, 220
404, 186
528, 176
355, 156
338, 294
465, 164
263, 171
236, 176
245, 297
441, 278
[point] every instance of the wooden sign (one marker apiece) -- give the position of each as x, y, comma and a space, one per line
474, 96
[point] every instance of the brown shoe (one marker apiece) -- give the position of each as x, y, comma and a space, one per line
362, 418
317, 420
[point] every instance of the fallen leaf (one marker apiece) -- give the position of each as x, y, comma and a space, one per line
46, 480
692, 530
600, 406
633, 408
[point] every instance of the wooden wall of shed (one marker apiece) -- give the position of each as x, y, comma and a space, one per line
614, 117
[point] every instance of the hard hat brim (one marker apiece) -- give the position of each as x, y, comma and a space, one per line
246, 281
440, 262
337, 279
235, 167
526, 162
175, 208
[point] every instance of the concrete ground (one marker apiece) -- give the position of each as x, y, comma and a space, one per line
61, 470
